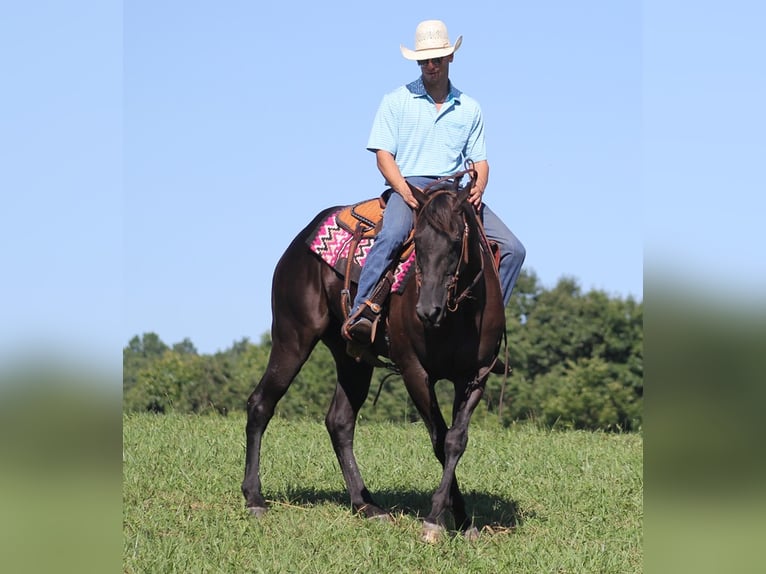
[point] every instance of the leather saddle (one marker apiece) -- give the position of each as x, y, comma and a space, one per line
364, 220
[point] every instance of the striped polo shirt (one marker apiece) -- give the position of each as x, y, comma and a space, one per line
425, 142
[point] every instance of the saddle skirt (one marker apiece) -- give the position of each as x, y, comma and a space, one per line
355, 227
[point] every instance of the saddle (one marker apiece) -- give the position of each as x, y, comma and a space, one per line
365, 216
344, 238
364, 220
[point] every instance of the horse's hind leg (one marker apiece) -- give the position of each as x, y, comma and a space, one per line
287, 357
350, 393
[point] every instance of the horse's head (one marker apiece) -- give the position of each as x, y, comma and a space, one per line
441, 236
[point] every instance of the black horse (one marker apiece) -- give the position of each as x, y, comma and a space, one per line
446, 324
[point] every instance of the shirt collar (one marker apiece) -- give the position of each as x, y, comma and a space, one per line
417, 89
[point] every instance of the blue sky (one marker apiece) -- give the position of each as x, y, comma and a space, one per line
242, 123
159, 156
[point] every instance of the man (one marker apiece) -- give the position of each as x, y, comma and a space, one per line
423, 131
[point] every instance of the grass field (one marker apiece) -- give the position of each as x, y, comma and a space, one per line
544, 501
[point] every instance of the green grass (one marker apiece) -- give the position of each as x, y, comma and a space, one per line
544, 501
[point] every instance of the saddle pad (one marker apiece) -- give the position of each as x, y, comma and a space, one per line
332, 242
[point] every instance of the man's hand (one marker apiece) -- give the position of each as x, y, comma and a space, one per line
390, 171
480, 184
407, 196
475, 197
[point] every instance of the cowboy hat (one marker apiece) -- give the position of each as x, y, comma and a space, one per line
431, 41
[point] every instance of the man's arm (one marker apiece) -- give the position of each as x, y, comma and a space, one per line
482, 178
389, 169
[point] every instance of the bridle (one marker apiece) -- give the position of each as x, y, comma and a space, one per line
453, 298
452, 301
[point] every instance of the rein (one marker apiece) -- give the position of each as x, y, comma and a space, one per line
470, 171
452, 301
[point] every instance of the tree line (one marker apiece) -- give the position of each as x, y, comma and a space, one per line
577, 361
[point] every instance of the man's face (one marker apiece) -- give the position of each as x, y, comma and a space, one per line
435, 69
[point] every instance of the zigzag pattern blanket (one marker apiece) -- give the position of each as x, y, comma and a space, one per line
332, 243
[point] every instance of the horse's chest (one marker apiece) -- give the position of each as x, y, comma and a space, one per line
447, 355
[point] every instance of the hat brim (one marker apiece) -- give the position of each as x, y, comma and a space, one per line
432, 52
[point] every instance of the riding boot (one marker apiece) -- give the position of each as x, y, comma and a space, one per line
362, 324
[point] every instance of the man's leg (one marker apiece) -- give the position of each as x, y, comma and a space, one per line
397, 223
512, 252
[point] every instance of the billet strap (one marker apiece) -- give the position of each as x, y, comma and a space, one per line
345, 294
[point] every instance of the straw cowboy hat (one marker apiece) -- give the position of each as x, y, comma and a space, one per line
431, 41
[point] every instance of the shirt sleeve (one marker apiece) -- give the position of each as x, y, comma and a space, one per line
475, 147
385, 127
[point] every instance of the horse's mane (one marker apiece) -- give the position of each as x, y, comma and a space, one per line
439, 213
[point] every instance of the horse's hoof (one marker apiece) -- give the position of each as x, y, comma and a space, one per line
472, 534
257, 511
432, 533
371, 511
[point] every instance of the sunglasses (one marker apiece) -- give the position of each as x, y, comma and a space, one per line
434, 61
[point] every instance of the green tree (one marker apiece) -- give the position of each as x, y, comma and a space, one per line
577, 360
169, 383
587, 394
139, 354
562, 340
185, 347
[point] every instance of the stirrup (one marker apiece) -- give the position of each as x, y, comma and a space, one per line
359, 329
361, 326
500, 368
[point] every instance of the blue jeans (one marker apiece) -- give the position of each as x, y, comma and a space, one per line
397, 223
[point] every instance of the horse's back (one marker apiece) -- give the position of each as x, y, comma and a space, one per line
303, 285
306, 232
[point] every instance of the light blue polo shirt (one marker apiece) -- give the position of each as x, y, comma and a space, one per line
424, 141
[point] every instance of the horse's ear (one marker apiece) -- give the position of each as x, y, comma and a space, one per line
419, 195
465, 193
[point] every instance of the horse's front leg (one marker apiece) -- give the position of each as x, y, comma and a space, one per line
448, 493
424, 396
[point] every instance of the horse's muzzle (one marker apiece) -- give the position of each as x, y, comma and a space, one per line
430, 315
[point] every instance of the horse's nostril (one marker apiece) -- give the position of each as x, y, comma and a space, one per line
431, 316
